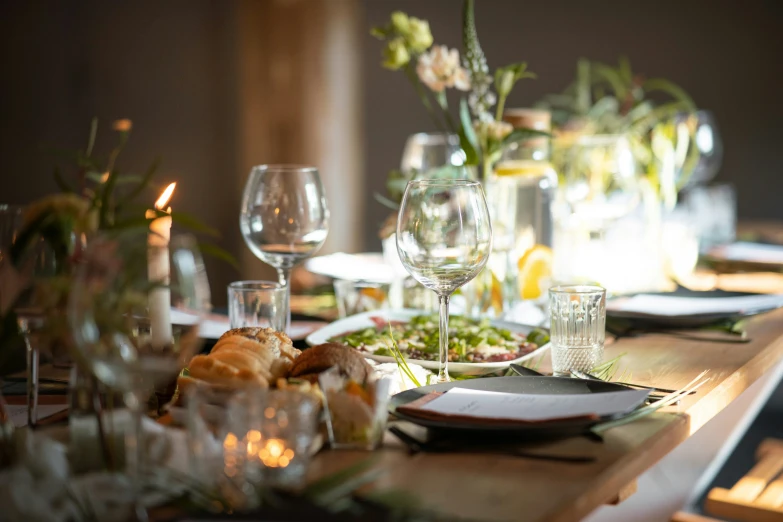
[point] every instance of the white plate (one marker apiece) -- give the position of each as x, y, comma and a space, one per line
353, 267
359, 321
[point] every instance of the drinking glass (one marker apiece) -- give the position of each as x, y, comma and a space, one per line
119, 314
426, 152
354, 297
444, 239
578, 327
705, 138
256, 303
284, 218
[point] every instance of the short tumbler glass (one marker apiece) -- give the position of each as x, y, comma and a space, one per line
257, 303
578, 327
354, 297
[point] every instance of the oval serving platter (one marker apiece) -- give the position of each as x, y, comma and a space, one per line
363, 320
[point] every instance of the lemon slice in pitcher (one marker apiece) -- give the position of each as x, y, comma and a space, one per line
534, 267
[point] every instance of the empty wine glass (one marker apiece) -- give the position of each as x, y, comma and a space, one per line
444, 238
119, 311
284, 218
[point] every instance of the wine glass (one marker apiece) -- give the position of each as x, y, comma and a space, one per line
444, 238
284, 218
123, 299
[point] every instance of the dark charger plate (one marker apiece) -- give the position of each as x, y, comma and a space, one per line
644, 320
521, 385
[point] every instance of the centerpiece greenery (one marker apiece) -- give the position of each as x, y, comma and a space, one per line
605, 99
434, 69
98, 198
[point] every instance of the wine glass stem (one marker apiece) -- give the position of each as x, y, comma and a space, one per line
443, 365
135, 458
284, 277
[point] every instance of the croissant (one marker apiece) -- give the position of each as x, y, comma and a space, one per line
209, 369
244, 357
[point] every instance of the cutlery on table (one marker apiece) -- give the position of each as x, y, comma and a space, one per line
590, 377
416, 446
525, 372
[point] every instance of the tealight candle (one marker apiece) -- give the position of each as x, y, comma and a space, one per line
158, 271
272, 433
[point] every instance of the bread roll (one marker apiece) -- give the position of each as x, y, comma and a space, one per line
322, 357
280, 368
210, 369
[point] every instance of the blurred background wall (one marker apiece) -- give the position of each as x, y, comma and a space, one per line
216, 86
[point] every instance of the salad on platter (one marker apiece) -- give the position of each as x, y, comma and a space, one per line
470, 340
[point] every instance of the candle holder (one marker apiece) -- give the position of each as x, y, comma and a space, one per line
270, 436
356, 414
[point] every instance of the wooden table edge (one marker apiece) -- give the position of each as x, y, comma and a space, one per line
626, 469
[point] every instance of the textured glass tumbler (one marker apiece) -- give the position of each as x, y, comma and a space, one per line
578, 327
257, 303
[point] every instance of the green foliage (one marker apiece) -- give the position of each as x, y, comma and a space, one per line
605, 99
106, 204
407, 38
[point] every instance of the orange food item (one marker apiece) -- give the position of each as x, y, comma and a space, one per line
356, 389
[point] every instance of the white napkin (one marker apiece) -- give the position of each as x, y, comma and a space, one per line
671, 306
751, 252
369, 267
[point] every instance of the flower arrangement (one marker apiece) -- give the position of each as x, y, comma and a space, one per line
97, 198
434, 69
604, 99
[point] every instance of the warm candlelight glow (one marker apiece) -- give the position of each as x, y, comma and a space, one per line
164, 198
275, 454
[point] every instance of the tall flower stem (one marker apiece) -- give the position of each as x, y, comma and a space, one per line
444, 105
411, 74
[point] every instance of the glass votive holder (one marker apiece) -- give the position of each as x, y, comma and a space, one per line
354, 297
356, 414
578, 327
271, 433
256, 303
215, 465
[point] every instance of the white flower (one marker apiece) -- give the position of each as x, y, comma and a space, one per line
439, 68
494, 130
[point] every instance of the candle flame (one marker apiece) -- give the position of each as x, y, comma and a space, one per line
165, 196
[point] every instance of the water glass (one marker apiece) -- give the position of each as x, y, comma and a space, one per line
444, 238
270, 435
257, 303
713, 212
578, 327
284, 218
354, 297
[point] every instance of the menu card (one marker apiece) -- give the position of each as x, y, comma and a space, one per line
479, 405
674, 305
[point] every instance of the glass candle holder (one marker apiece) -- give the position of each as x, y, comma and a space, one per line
270, 435
257, 303
578, 327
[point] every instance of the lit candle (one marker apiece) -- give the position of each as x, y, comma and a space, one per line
158, 271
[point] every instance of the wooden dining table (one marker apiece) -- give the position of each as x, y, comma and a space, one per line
482, 486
